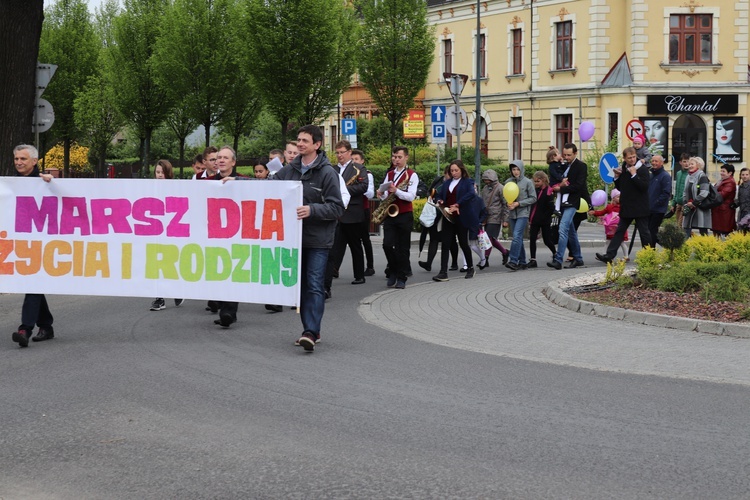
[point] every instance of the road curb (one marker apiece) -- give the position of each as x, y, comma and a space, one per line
555, 294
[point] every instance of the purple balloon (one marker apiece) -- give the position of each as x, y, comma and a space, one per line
586, 131
598, 198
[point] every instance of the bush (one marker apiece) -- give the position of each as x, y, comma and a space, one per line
737, 246
705, 248
417, 206
725, 288
672, 238
681, 279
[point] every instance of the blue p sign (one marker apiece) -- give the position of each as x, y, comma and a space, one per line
349, 126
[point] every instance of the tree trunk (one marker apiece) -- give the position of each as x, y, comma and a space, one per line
207, 126
284, 125
182, 155
393, 133
236, 142
20, 29
102, 161
66, 158
147, 153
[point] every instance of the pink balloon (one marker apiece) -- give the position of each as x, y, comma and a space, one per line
598, 198
586, 131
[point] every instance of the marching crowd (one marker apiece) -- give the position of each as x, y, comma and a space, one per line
335, 215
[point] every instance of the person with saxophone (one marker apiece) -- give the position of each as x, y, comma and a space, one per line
349, 226
396, 195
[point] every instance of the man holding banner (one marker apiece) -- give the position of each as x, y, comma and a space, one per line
35, 310
322, 205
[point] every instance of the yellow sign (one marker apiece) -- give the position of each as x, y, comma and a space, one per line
414, 125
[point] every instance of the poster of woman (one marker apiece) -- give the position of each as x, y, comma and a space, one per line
728, 138
657, 133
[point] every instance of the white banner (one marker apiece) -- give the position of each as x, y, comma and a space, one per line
235, 241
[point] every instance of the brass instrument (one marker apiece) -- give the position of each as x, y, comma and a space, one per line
353, 177
445, 211
388, 206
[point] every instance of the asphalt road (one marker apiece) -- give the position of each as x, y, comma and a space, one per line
128, 403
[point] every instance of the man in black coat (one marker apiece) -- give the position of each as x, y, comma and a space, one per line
348, 231
632, 179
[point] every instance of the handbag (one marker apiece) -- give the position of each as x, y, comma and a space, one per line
428, 215
484, 241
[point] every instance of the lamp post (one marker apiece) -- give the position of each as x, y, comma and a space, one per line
478, 110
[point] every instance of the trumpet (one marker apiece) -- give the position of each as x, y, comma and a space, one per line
445, 211
388, 206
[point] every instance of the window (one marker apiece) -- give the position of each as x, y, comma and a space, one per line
516, 150
563, 130
447, 56
613, 120
482, 55
517, 54
564, 45
690, 38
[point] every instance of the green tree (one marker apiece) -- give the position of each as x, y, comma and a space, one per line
98, 118
20, 28
195, 59
68, 40
141, 98
395, 51
182, 124
294, 42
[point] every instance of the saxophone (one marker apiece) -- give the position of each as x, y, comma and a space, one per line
388, 206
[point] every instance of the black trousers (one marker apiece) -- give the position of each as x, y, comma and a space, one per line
229, 308
397, 244
346, 235
641, 223
449, 234
35, 311
654, 221
366, 243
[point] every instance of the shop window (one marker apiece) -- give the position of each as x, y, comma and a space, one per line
690, 38
564, 45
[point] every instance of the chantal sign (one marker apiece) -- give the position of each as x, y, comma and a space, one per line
238, 241
692, 103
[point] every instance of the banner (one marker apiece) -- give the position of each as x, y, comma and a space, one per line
236, 241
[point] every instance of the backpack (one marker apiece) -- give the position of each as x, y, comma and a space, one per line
714, 198
422, 190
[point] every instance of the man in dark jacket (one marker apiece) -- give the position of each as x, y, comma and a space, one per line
321, 208
348, 231
632, 180
35, 311
570, 190
659, 192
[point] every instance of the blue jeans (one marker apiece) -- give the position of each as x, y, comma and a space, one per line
517, 251
568, 234
313, 294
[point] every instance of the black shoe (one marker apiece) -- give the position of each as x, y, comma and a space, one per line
424, 265
22, 336
512, 266
212, 306
574, 264
369, 272
274, 308
400, 284
486, 264
469, 273
523, 266
603, 257
532, 263
328, 293
441, 276
43, 334
178, 302
358, 281
336, 273
454, 267
391, 282
463, 269
225, 319
505, 257
554, 264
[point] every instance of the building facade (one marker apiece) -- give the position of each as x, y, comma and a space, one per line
676, 70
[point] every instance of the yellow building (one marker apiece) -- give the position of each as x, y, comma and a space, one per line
678, 67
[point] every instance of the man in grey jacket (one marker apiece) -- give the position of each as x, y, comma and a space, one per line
321, 208
519, 210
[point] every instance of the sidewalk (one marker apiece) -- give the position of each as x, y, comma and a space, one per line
507, 314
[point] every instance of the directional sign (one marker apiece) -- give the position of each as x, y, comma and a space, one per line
349, 126
438, 114
450, 121
634, 128
438, 134
45, 116
606, 166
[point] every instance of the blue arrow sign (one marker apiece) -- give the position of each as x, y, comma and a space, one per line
438, 114
349, 126
606, 166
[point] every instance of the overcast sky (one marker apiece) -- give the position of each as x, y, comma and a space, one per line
93, 4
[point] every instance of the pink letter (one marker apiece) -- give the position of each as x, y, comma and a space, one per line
75, 214
105, 213
27, 212
179, 207
152, 206
217, 206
